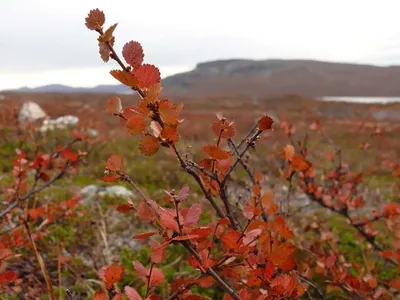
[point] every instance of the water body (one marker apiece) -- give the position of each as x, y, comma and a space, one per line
381, 100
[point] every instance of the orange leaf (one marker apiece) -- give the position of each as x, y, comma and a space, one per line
216, 152
133, 53
265, 123
169, 112
169, 133
149, 145
224, 128
125, 78
288, 152
113, 105
100, 295
281, 256
114, 163
136, 124
95, 19
300, 164
114, 273
147, 75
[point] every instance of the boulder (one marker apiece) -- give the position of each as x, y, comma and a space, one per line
30, 112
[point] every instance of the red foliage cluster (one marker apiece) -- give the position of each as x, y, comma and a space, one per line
250, 255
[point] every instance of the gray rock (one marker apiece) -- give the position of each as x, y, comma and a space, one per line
30, 112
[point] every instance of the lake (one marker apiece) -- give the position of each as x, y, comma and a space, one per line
363, 99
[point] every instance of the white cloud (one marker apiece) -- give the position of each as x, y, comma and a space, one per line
43, 38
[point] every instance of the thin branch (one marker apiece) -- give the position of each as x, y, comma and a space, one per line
41, 263
212, 273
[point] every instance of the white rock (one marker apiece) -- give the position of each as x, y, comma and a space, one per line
59, 123
2, 97
31, 111
89, 193
117, 191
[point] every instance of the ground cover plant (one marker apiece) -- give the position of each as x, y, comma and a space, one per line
221, 233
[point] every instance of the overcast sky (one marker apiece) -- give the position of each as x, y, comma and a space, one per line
46, 41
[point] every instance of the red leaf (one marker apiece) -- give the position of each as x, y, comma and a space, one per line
133, 53
110, 178
269, 271
69, 154
113, 105
168, 221
7, 277
281, 256
157, 277
183, 194
100, 295
216, 152
95, 19
131, 293
147, 75
159, 253
144, 235
139, 268
193, 215
265, 123
185, 237
124, 208
114, 273
114, 163
149, 145
395, 283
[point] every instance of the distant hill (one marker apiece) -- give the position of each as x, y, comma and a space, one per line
259, 78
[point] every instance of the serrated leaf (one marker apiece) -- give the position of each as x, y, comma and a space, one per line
223, 128
192, 215
114, 163
149, 145
147, 75
265, 123
167, 221
113, 273
136, 124
95, 19
133, 53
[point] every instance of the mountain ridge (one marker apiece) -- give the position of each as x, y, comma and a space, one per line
260, 78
